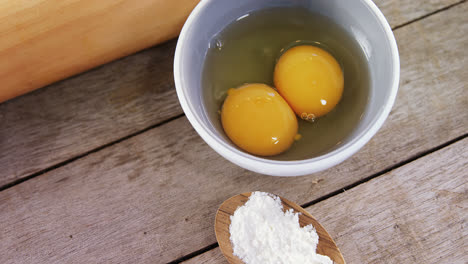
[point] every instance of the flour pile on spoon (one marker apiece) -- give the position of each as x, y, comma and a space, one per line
261, 233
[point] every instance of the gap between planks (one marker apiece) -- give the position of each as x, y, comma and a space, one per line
340, 191
427, 15
68, 161
167, 120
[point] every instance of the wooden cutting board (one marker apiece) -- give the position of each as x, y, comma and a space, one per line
43, 41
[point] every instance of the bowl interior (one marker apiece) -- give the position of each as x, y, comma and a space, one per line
356, 17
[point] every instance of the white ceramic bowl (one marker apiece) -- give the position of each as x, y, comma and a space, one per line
361, 18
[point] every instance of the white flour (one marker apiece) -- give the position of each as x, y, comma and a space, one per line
261, 233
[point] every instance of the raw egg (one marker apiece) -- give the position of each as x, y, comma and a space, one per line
310, 80
258, 120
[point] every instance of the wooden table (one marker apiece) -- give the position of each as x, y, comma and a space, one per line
104, 167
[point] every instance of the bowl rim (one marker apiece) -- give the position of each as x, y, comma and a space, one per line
295, 167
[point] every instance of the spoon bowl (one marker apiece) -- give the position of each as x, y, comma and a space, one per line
326, 245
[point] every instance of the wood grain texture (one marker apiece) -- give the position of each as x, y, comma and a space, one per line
74, 116
71, 117
326, 245
153, 197
397, 13
42, 41
414, 214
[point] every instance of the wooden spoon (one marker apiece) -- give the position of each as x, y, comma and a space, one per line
326, 245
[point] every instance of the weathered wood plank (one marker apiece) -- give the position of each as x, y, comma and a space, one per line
414, 214
71, 117
152, 198
79, 114
397, 12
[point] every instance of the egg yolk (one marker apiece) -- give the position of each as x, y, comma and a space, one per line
310, 80
258, 120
